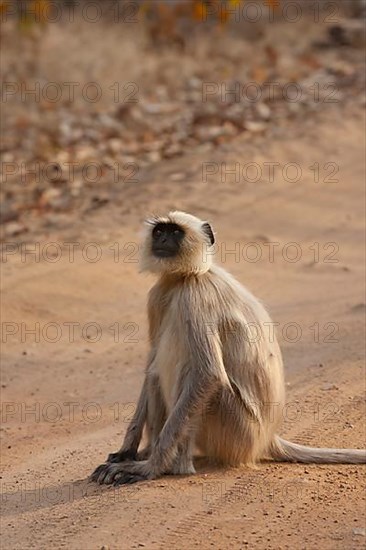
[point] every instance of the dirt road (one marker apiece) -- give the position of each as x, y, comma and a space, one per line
69, 387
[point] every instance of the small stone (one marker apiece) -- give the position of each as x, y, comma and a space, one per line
153, 156
161, 108
13, 229
55, 198
254, 126
131, 148
173, 150
85, 153
178, 176
359, 532
208, 133
115, 145
328, 387
263, 111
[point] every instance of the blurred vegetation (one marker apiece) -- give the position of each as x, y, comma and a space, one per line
166, 22
186, 76
162, 17
37, 11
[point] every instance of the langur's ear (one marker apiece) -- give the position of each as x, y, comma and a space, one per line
206, 228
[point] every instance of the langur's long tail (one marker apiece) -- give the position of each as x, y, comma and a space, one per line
286, 451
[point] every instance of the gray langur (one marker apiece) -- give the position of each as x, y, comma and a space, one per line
208, 383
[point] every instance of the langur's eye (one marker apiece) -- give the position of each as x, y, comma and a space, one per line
177, 232
157, 233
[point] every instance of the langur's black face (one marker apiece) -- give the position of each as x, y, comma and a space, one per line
166, 240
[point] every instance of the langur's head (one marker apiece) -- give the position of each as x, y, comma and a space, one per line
177, 243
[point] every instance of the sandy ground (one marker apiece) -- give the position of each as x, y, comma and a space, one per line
66, 404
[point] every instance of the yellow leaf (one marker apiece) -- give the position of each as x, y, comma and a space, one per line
224, 15
199, 11
3, 7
